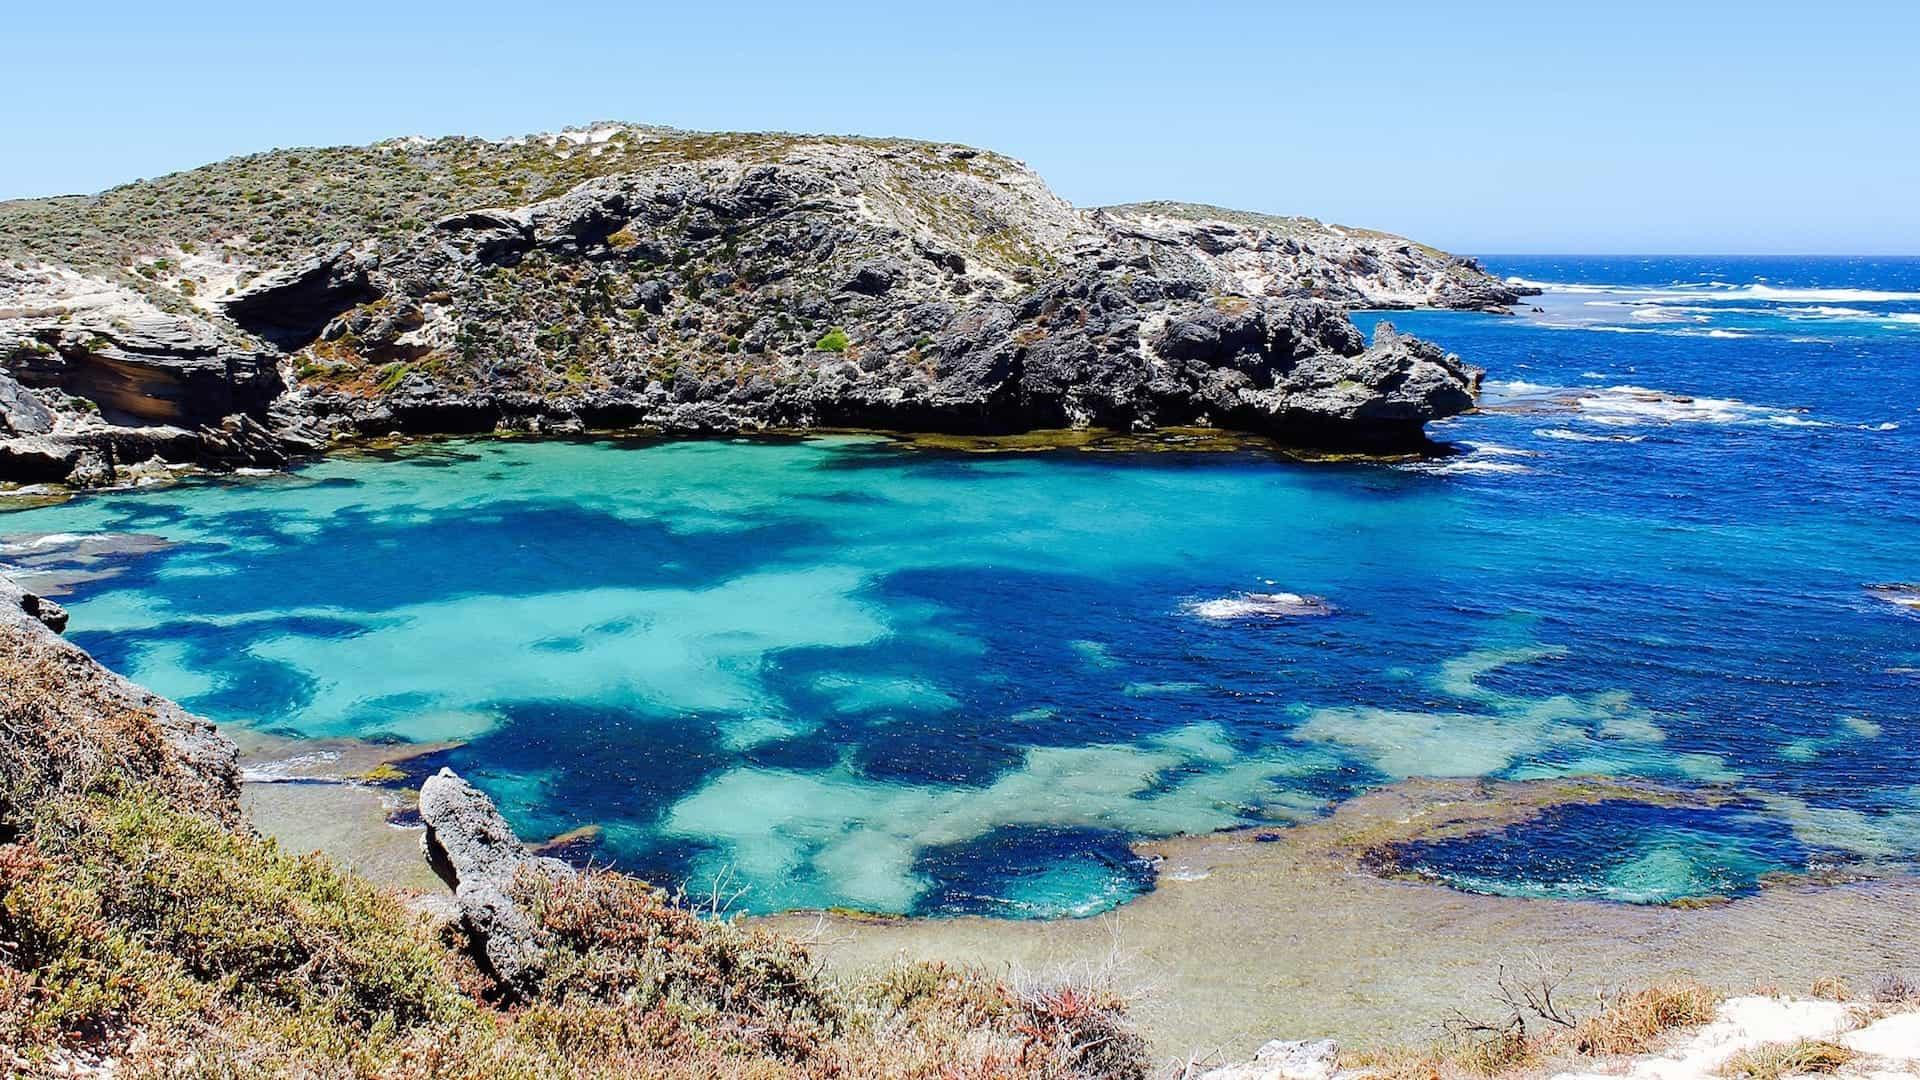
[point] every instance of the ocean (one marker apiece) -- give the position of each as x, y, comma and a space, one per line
848, 671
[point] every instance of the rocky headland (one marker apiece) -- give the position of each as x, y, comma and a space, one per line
622, 277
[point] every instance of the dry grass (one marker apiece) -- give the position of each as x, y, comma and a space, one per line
139, 926
1776, 1060
1630, 1023
1538, 1030
1829, 988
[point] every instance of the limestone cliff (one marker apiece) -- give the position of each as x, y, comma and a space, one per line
632, 277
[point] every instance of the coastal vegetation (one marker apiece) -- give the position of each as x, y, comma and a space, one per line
144, 928
624, 277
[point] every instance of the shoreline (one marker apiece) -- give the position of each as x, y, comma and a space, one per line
1261, 933
1189, 440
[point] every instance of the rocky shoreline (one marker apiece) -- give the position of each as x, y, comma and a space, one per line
1250, 933
642, 279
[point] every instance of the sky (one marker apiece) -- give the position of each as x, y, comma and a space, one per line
1687, 126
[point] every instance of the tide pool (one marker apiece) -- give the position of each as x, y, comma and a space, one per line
843, 671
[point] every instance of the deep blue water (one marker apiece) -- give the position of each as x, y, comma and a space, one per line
839, 671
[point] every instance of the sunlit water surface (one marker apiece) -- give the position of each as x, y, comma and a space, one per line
842, 672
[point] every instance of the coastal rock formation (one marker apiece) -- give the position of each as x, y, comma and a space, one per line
1285, 1059
1352, 267
476, 852
63, 717
633, 277
95, 377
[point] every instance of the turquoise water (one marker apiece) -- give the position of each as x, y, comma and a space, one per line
842, 671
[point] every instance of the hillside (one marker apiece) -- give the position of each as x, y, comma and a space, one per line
621, 276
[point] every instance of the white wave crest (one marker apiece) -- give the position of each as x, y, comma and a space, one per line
1635, 406
1466, 466
1564, 435
1274, 605
1718, 292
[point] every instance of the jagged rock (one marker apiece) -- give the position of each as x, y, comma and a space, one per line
875, 278
1299, 1059
471, 846
290, 306
492, 236
20, 412
51, 615
701, 282
1306, 258
37, 459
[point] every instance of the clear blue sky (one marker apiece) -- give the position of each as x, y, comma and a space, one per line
1681, 126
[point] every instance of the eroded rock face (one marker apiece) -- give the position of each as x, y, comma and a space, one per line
695, 283
21, 413
473, 849
95, 378
149, 367
289, 306
738, 296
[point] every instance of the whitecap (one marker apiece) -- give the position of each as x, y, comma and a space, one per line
1638, 406
25, 544
1565, 435
1899, 595
1273, 605
1720, 292
1467, 466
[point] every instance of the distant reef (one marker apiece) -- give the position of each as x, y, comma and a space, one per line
640, 278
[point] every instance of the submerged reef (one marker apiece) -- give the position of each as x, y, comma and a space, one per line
145, 930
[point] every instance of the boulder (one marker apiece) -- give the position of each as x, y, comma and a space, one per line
1282, 1059
474, 850
20, 412
45, 459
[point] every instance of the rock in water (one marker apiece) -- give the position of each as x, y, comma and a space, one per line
1900, 594
471, 846
1276, 605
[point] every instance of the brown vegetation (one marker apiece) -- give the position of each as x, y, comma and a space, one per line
141, 928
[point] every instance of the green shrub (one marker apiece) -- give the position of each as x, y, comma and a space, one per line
834, 340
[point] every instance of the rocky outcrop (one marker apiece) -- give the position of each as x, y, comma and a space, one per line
20, 412
95, 379
474, 850
289, 306
1301, 256
1285, 1059
63, 715
825, 288
692, 282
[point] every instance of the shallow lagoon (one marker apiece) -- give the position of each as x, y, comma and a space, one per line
840, 671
